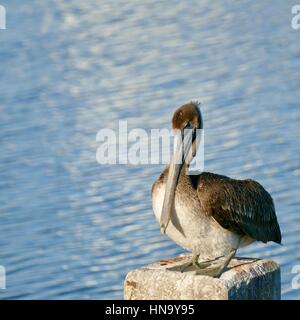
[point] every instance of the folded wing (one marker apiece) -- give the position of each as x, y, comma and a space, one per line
241, 206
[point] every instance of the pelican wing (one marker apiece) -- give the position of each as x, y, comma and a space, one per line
241, 206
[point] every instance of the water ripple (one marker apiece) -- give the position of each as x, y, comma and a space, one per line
71, 228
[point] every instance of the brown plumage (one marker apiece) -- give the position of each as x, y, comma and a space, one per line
189, 112
241, 206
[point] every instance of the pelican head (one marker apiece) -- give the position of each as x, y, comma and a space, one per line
185, 121
187, 116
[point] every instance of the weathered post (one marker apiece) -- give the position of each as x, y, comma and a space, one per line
244, 279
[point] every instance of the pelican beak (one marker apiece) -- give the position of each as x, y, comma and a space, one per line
182, 147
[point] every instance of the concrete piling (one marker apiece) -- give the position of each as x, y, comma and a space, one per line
244, 279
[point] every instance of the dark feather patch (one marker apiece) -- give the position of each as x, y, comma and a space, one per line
241, 206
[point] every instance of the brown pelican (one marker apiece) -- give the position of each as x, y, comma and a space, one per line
208, 214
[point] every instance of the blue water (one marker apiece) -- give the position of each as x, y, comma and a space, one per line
71, 228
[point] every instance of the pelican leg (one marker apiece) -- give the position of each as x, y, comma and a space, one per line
194, 262
206, 267
185, 266
216, 271
203, 265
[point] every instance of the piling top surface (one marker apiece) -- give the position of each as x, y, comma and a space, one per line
245, 278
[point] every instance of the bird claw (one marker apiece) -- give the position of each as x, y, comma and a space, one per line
212, 272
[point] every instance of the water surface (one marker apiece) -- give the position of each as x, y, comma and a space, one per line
70, 228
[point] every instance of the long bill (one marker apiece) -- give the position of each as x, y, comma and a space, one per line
183, 143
